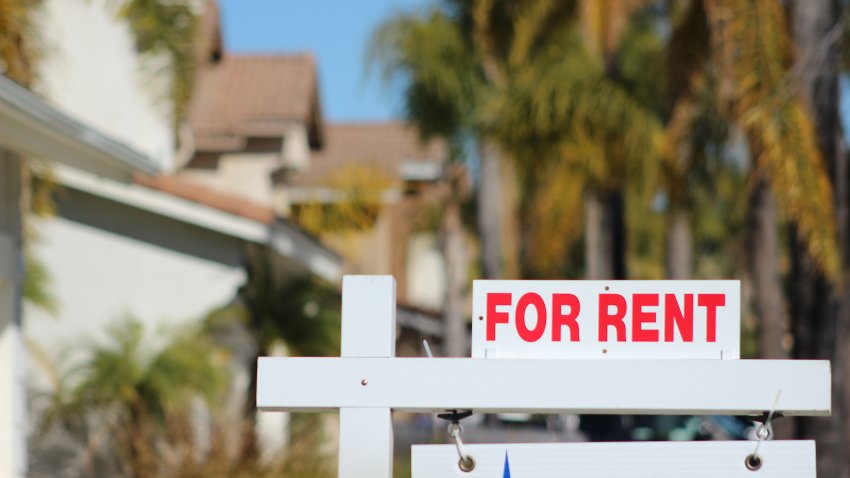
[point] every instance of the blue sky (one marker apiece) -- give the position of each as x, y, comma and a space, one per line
337, 32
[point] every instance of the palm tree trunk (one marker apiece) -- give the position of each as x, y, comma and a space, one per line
767, 283
615, 221
604, 243
457, 262
497, 214
489, 198
679, 258
511, 235
595, 263
605, 234
821, 309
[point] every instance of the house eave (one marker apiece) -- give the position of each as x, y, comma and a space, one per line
29, 125
284, 238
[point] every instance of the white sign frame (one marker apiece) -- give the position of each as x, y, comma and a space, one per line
368, 382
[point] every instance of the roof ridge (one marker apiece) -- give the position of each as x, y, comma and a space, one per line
299, 55
392, 122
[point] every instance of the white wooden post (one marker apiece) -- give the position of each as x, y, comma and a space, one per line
368, 330
12, 374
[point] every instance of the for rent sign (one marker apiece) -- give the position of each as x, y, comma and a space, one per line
606, 319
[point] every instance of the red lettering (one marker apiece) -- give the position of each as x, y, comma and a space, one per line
607, 319
559, 319
494, 316
673, 317
641, 317
531, 299
711, 302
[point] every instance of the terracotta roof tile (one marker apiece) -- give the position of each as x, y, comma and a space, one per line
382, 146
180, 187
252, 95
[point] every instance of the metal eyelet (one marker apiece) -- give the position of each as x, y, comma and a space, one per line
466, 464
753, 462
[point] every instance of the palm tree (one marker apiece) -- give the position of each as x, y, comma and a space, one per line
750, 51
171, 29
275, 306
744, 43
18, 40
445, 86
751, 46
129, 398
446, 61
821, 308
575, 127
687, 55
517, 76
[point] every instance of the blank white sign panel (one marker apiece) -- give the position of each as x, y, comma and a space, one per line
707, 459
687, 319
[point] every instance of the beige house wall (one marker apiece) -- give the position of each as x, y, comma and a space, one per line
246, 175
395, 246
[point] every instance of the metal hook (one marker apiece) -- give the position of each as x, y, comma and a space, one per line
764, 432
427, 348
466, 462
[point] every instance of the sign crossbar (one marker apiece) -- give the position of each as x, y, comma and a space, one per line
693, 387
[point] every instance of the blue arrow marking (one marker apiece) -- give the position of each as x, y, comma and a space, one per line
507, 467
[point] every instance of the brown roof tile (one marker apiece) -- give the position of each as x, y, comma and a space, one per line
251, 95
382, 146
180, 187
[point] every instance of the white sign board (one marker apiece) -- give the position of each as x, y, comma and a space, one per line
606, 319
707, 459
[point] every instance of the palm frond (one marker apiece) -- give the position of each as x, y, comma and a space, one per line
752, 45
126, 397
532, 23
18, 40
564, 102
430, 55
169, 28
303, 312
554, 219
604, 21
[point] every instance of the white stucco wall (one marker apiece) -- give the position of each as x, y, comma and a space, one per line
98, 277
426, 272
13, 462
91, 71
12, 373
296, 147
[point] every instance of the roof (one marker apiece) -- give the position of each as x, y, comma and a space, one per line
236, 205
385, 147
190, 203
284, 237
29, 125
245, 96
